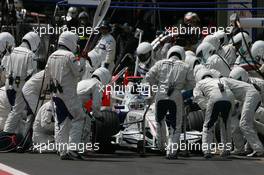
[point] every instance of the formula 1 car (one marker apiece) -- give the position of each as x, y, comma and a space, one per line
139, 125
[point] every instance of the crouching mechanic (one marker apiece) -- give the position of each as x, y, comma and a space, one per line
241, 74
63, 72
7, 44
229, 50
250, 97
242, 43
212, 60
93, 89
215, 97
32, 91
20, 67
43, 127
5, 107
257, 52
171, 75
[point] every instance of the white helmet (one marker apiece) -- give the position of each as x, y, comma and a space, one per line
95, 58
176, 51
33, 40
212, 40
189, 52
103, 74
257, 51
222, 37
144, 52
204, 51
202, 73
240, 44
7, 43
69, 40
238, 73
191, 59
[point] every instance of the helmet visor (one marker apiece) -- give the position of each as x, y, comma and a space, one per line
144, 57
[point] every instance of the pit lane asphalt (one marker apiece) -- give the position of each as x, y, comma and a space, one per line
129, 163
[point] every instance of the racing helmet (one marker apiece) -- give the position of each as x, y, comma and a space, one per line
204, 51
69, 40
144, 52
103, 74
176, 51
240, 41
238, 73
33, 40
257, 51
212, 40
7, 43
191, 59
222, 37
202, 73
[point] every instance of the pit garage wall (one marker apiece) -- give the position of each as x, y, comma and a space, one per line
242, 14
223, 16
259, 32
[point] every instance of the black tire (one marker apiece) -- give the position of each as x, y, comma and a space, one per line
195, 121
261, 138
217, 131
105, 127
140, 147
106, 148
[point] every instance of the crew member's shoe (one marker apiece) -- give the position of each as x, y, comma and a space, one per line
172, 156
225, 154
237, 152
256, 154
208, 155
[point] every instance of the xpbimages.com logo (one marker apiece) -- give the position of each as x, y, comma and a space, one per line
213, 147
183, 30
51, 30
144, 89
52, 146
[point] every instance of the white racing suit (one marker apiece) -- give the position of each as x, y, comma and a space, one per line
171, 76
248, 64
91, 89
106, 49
2, 70
250, 97
5, 107
43, 127
216, 104
143, 68
88, 71
221, 52
63, 72
259, 116
218, 63
32, 89
230, 54
259, 120
164, 50
20, 67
